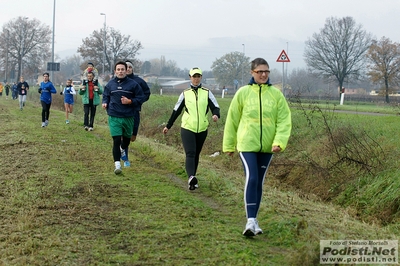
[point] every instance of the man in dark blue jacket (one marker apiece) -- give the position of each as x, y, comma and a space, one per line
122, 97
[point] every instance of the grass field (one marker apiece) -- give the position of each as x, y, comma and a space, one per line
61, 203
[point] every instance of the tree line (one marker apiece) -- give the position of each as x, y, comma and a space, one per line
342, 50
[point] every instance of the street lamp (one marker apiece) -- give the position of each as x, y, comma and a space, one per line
52, 42
243, 63
104, 41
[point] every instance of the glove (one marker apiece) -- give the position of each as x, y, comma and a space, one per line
40, 90
61, 93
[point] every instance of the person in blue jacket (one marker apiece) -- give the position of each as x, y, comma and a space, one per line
69, 93
46, 89
146, 91
122, 97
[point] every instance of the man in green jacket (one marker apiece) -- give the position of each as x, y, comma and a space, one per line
258, 125
90, 91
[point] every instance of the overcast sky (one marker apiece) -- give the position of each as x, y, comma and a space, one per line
195, 33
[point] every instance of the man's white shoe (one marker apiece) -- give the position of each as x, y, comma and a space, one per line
118, 170
250, 227
257, 228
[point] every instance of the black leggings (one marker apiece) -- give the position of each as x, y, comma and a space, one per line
45, 111
192, 144
118, 143
89, 109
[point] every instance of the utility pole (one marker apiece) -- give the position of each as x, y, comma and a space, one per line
243, 62
52, 46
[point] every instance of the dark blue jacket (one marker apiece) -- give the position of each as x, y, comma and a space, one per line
143, 85
113, 92
45, 90
22, 91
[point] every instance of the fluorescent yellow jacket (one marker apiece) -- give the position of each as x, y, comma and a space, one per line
194, 103
258, 118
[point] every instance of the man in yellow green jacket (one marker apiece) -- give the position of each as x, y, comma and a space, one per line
258, 124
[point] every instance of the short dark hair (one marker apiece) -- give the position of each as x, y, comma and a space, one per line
120, 63
258, 61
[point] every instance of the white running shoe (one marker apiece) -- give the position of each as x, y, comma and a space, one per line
117, 170
193, 183
43, 124
257, 228
90, 129
250, 227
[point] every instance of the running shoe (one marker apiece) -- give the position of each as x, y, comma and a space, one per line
193, 183
250, 229
257, 229
117, 170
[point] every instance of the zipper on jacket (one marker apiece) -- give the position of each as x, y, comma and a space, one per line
197, 110
260, 102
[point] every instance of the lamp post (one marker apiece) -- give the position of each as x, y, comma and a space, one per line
243, 62
104, 41
52, 43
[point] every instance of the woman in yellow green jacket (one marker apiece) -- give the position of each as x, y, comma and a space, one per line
258, 124
194, 102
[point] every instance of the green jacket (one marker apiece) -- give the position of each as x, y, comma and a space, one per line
96, 98
258, 118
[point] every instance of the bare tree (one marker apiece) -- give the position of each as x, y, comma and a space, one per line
230, 67
25, 44
338, 49
118, 47
384, 63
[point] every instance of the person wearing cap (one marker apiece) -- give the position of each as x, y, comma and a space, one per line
146, 91
258, 124
194, 102
121, 98
90, 69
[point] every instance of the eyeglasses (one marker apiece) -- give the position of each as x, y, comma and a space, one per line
260, 72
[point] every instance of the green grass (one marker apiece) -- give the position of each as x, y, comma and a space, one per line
61, 204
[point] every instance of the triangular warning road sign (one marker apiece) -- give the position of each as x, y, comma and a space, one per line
283, 57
